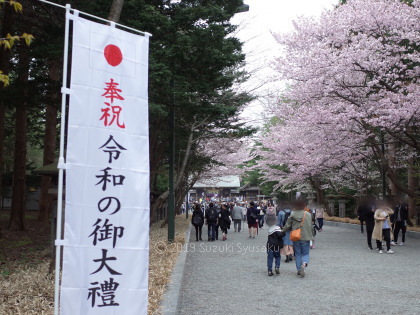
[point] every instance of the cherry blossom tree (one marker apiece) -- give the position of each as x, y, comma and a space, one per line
352, 85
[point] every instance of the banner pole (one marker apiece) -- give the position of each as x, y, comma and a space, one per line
61, 165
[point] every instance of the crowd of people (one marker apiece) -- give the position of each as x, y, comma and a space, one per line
384, 222
280, 221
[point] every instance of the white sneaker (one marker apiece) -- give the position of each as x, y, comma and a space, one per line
390, 251
393, 243
402, 244
302, 270
381, 252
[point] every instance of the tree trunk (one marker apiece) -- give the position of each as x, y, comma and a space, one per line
115, 11
180, 194
45, 201
413, 184
160, 201
320, 195
377, 151
17, 214
392, 164
4, 66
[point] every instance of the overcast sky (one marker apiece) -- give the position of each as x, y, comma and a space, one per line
255, 30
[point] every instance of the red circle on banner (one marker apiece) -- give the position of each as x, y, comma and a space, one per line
113, 55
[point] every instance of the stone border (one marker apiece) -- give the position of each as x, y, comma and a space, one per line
169, 304
410, 234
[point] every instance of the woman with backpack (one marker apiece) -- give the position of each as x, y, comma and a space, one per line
197, 220
224, 220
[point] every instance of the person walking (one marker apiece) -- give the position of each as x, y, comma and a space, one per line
218, 209
211, 221
287, 249
237, 217
361, 217
224, 220
270, 209
299, 218
244, 210
366, 210
319, 214
197, 221
315, 228
382, 229
274, 242
271, 214
252, 218
399, 221
261, 213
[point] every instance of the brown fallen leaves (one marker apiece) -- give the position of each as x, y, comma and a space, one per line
28, 291
162, 258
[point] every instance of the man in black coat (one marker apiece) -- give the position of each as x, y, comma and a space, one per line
366, 211
361, 217
399, 220
211, 220
197, 220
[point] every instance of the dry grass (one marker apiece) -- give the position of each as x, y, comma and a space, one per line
355, 221
162, 258
30, 290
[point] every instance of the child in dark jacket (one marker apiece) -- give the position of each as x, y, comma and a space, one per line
274, 244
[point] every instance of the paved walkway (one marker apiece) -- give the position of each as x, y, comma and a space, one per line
343, 277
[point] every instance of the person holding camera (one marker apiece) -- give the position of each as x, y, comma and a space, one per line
382, 229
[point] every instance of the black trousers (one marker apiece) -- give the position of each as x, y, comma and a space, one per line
399, 225
361, 225
386, 235
198, 231
369, 230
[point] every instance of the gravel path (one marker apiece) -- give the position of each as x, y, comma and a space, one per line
343, 277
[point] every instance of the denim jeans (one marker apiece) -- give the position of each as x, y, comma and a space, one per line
260, 221
270, 257
212, 230
320, 222
301, 253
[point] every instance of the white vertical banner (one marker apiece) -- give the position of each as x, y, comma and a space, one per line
106, 238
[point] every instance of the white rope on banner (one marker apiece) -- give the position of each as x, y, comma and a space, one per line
61, 165
99, 18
